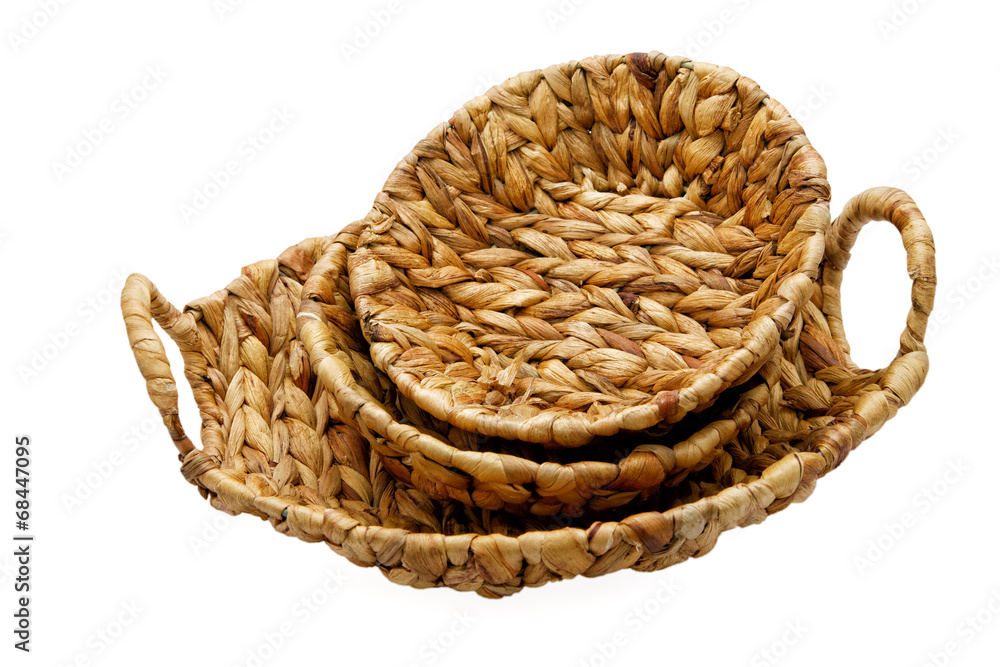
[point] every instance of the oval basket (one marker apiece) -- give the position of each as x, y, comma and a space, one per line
596, 247
274, 445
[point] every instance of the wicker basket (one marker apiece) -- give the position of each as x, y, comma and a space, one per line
274, 444
596, 247
448, 463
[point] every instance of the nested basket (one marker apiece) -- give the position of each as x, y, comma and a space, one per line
600, 246
274, 445
448, 463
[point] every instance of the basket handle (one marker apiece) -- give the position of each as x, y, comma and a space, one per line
897, 207
141, 302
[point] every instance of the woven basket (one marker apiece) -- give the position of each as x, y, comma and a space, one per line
448, 463
274, 445
595, 247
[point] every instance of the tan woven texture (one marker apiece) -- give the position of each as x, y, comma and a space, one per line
448, 463
599, 246
275, 444
589, 324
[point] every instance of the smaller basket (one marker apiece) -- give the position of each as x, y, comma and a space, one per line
600, 246
274, 445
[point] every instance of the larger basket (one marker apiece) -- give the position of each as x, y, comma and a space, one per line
599, 246
274, 446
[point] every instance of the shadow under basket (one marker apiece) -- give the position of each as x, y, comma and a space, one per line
276, 446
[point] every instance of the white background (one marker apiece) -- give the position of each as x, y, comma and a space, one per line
877, 85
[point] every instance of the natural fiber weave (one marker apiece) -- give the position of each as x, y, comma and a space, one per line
595, 247
274, 446
448, 463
